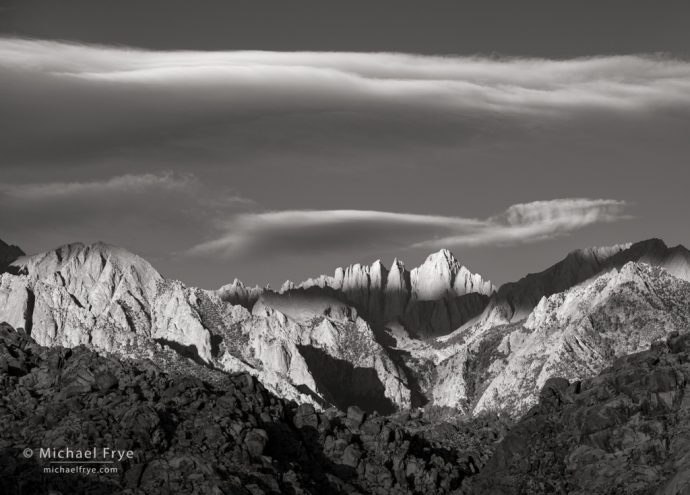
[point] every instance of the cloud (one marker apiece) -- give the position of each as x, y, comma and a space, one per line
294, 232
116, 98
535, 221
124, 185
147, 210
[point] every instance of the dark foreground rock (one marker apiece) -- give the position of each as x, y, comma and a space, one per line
626, 431
210, 433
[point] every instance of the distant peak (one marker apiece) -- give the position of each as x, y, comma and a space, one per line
442, 254
654, 241
680, 249
653, 244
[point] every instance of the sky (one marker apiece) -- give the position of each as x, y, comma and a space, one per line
268, 141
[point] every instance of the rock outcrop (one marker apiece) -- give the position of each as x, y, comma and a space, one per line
626, 430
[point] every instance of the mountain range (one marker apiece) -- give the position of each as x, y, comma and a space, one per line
382, 339
379, 380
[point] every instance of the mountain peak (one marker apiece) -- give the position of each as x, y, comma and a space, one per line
442, 275
90, 260
443, 255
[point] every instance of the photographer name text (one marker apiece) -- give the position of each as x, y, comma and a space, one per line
92, 454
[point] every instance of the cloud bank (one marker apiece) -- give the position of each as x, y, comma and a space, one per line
314, 232
119, 97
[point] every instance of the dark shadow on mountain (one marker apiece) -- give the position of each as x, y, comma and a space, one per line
417, 396
304, 446
187, 351
216, 340
431, 319
317, 301
8, 254
303, 389
345, 385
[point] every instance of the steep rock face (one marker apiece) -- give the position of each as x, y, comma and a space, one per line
396, 291
573, 334
16, 301
8, 253
514, 301
177, 316
385, 296
627, 430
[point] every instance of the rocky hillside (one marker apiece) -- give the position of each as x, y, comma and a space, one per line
572, 334
625, 431
194, 430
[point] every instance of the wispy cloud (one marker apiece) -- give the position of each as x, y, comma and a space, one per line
123, 185
535, 221
295, 232
115, 97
